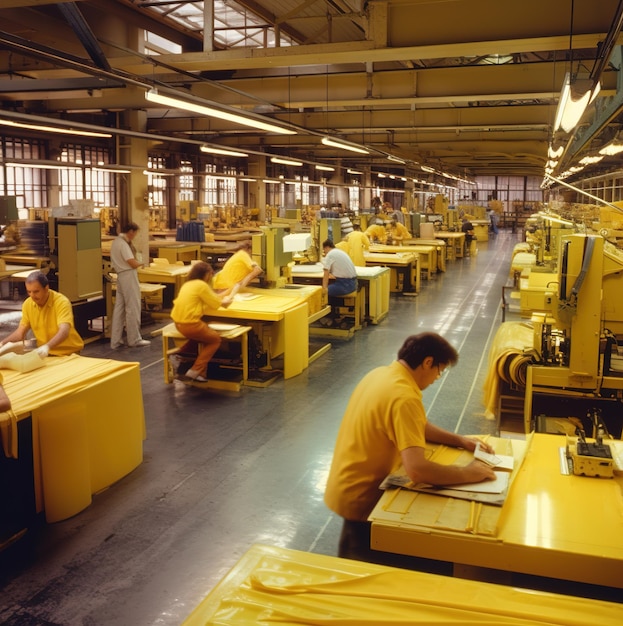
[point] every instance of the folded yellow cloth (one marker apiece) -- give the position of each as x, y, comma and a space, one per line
8, 434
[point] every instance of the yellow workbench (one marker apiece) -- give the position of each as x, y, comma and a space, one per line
426, 254
167, 275
455, 241
555, 525
375, 279
271, 585
407, 263
88, 427
280, 318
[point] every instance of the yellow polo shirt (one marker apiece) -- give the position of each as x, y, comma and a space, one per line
239, 265
46, 320
384, 416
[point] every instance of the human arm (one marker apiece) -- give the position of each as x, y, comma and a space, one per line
61, 334
133, 263
5, 403
17, 335
422, 470
325, 279
435, 434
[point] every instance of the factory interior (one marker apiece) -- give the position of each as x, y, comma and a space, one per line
465, 159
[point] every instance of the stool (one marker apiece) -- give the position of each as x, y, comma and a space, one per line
172, 340
351, 305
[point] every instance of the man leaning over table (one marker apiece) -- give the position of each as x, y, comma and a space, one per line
384, 426
50, 316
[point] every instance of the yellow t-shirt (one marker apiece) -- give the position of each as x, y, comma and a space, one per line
46, 320
384, 416
194, 300
378, 232
358, 243
235, 269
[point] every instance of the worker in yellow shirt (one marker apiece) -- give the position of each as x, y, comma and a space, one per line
50, 316
358, 244
195, 299
239, 270
376, 232
398, 233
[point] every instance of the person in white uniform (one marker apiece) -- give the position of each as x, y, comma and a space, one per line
127, 311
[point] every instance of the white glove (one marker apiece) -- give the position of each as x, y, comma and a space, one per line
43, 350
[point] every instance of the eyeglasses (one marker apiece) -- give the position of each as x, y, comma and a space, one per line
440, 371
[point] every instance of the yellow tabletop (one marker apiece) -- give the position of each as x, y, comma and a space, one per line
551, 524
277, 585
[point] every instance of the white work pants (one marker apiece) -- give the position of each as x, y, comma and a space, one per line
127, 311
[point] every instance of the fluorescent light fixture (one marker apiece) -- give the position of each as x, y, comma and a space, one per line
344, 146
283, 161
575, 96
555, 154
248, 180
425, 168
614, 147
356, 172
44, 166
223, 151
53, 129
112, 170
153, 96
589, 160
325, 168
271, 182
391, 157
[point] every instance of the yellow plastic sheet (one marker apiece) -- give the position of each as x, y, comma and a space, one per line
279, 586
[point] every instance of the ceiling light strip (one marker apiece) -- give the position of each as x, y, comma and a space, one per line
153, 96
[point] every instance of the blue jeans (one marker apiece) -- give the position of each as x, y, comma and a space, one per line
342, 286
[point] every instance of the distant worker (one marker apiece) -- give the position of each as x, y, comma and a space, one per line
239, 270
376, 232
358, 244
468, 228
127, 310
337, 263
195, 299
384, 426
398, 232
50, 316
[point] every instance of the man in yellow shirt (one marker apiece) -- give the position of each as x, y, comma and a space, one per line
385, 425
49, 315
239, 270
358, 244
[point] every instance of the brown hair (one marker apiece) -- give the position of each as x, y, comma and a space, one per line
199, 271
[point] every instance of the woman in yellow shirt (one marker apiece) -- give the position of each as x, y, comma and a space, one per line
195, 299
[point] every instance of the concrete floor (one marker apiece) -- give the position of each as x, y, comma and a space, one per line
224, 471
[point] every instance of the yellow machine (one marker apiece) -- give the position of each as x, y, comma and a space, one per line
577, 334
268, 253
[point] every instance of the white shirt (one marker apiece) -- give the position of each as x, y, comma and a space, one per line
339, 264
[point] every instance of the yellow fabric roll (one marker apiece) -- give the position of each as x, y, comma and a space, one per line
510, 354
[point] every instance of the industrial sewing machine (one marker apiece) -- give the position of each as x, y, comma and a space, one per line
578, 335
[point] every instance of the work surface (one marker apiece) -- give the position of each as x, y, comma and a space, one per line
554, 525
276, 585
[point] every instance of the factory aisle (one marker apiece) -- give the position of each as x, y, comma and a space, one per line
225, 471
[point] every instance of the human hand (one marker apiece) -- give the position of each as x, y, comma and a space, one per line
477, 472
43, 350
470, 444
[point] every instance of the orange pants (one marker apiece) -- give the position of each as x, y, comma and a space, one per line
200, 333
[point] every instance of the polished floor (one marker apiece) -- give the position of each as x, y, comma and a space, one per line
224, 471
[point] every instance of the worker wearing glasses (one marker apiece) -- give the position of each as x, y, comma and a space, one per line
385, 425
